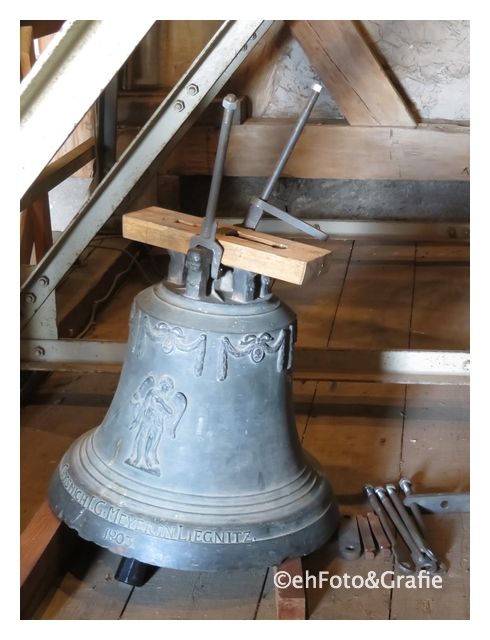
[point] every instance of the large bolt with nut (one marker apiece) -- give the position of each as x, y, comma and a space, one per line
230, 102
406, 486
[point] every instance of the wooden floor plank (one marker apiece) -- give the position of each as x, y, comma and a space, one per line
441, 302
69, 389
189, 595
327, 603
435, 452
355, 429
315, 303
355, 432
89, 590
436, 439
36, 470
46, 433
449, 535
375, 307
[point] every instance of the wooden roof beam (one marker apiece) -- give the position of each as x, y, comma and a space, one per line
342, 58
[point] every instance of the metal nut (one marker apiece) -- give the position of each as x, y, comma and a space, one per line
179, 105
30, 297
193, 89
230, 102
44, 281
39, 351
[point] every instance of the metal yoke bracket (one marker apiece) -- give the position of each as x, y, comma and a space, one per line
259, 206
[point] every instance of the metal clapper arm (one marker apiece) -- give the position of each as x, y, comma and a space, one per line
260, 205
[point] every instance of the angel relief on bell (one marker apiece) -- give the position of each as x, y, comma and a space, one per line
157, 411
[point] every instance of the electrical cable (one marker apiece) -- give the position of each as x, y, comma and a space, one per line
133, 262
130, 255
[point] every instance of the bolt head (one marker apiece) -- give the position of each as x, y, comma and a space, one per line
193, 89
230, 102
30, 297
44, 281
179, 105
39, 351
369, 490
405, 485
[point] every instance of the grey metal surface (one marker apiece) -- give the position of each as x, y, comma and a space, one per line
406, 486
401, 529
424, 549
401, 553
66, 80
392, 366
440, 367
374, 229
207, 236
349, 539
260, 205
197, 464
43, 325
209, 72
440, 502
290, 144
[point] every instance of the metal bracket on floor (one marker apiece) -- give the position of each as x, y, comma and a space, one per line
397, 367
398, 230
190, 96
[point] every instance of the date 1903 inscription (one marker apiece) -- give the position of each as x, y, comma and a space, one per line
117, 516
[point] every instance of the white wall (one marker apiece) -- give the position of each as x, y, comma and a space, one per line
430, 58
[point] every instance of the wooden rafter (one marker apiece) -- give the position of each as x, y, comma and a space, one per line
330, 151
339, 53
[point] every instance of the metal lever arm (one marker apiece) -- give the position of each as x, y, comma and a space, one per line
257, 206
291, 143
262, 206
207, 236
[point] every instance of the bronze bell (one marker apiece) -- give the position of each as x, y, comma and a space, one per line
197, 464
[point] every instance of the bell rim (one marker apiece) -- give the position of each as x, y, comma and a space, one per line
195, 556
